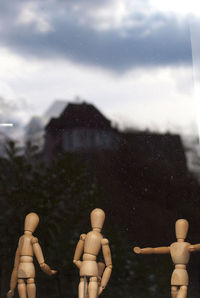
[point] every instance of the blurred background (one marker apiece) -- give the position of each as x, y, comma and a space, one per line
103, 98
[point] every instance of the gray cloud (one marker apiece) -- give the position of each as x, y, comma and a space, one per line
158, 39
11, 111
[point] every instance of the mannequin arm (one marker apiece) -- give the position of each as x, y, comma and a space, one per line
108, 261
194, 247
101, 267
79, 251
150, 250
40, 258
13, 280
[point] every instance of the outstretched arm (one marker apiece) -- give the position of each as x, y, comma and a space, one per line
150, 250
13, 280
40, 258
79, 251
194, 247
108, 261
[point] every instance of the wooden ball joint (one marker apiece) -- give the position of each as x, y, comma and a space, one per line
98, 274
180, 254
24, 270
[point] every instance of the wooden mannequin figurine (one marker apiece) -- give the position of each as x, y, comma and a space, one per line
90, 246
24, 270
180, 254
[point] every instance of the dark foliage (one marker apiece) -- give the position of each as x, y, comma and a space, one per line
143, 193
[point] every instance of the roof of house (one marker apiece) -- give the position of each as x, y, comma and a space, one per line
81, 115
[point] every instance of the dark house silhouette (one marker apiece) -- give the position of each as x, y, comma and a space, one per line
80, 127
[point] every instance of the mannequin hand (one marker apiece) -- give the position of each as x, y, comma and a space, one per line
10, 294
137, 250
46, 269
53, 272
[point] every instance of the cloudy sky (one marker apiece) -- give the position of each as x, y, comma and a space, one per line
132, 58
